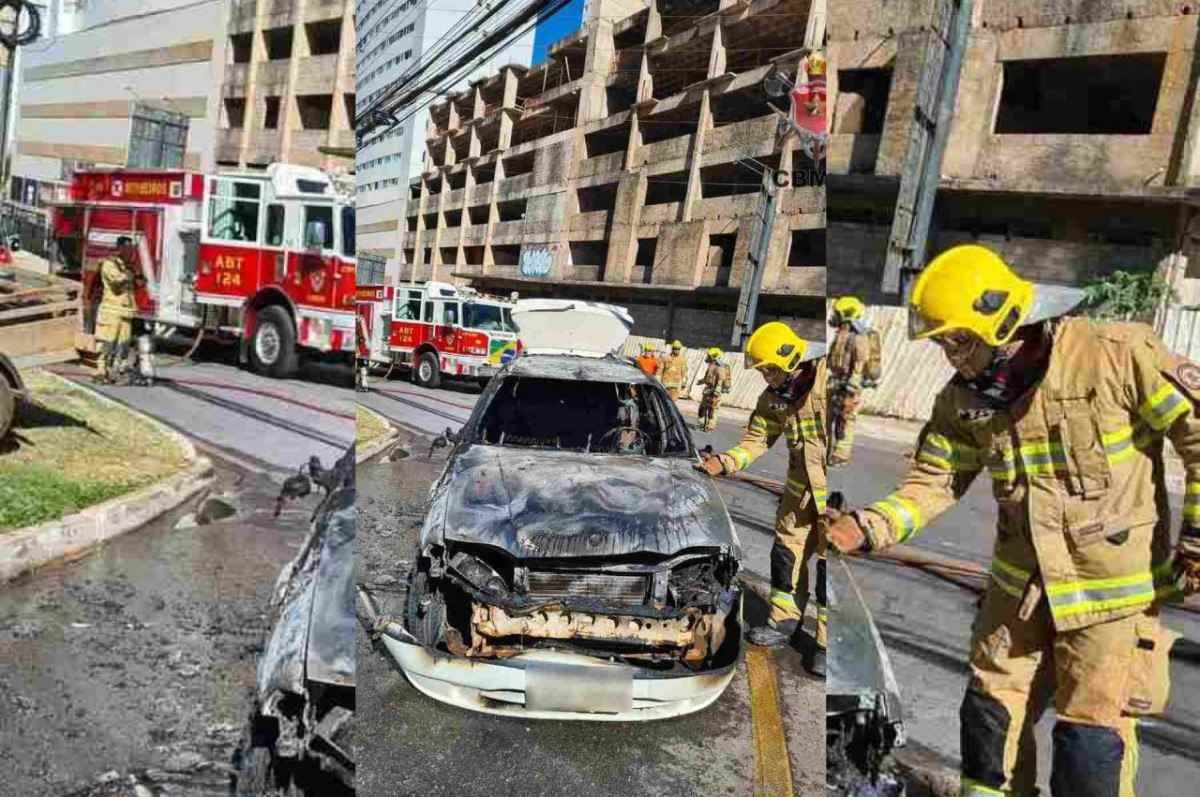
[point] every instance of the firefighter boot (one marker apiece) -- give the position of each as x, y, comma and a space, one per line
814, 659
775, 634
844, 444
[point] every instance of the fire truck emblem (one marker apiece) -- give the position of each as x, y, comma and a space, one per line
118, 187
316, 278
808, 112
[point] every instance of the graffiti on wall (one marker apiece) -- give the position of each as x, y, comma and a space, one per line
536, 261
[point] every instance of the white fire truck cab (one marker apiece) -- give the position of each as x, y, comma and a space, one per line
435, 329
266, 256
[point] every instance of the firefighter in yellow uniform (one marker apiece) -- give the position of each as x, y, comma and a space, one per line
114, 319
1068, 417
792, 406
848, 357
717, 382
673, 371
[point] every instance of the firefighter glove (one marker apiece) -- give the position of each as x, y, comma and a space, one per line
1187, 562
844, 532
711, 464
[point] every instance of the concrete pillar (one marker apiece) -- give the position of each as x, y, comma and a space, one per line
654, 22
504, 140
704, 124
622, 238
716, 55
510, 88
645, 88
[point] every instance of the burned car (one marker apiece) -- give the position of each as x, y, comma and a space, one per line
296, 739
863, 716
573, 563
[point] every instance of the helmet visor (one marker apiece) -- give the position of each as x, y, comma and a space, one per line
920, 327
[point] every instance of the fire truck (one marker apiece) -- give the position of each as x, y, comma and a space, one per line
264, 256
436, 330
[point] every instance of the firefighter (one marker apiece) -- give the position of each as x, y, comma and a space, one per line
717, 382
848, 358
672, 370
792, 405
114, 320
647, 360
1068, 417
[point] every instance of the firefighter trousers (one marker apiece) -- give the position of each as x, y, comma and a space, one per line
797, 540
1096, 678
709, 404
842, 435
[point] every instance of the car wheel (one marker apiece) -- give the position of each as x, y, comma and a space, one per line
425, 611
273, 347
8, 407
428, 372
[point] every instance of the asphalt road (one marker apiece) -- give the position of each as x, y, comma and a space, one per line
135, 663
409, 744
925, 623
267, 425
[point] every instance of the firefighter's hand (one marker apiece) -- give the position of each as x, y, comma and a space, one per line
710, 463
843, 532
1186, 570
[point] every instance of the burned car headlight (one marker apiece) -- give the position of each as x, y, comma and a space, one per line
701, 582
479, 574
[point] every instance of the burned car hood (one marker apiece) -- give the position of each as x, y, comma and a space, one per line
538, 504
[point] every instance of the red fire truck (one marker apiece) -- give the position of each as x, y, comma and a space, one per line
266, 256
436, 330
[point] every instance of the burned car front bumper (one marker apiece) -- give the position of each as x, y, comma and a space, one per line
547, 684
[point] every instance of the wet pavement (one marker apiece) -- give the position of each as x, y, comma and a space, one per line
925, 624
261, 424
407, 743
136, 662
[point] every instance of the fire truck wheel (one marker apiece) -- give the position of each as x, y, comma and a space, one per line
273, 349
8, 407
428, 372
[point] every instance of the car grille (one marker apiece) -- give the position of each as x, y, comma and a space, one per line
621, 590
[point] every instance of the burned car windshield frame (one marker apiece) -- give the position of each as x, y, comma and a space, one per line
664, 427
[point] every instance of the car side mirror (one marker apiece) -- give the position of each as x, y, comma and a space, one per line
314, 235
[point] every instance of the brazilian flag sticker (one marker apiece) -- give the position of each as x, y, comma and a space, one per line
502, 352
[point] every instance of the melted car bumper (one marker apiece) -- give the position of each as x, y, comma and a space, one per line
557, 685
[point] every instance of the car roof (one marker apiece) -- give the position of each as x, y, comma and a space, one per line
566, 366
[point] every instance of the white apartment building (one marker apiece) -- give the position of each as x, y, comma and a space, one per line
393, 37
103, 73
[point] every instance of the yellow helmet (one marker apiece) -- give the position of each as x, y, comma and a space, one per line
970, 288
715, 353
849, 308
775, 343
816, 65
647, 347
676, 344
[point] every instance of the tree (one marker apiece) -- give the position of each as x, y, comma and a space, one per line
1126, 295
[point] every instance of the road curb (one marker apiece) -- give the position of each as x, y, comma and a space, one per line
26, 549
373, 449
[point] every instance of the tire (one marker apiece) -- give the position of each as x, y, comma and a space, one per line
8, 407
425, 623
273, 345
427, 372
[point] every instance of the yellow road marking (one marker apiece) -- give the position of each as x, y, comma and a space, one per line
772, 767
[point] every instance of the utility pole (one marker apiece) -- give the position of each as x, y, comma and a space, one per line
743, 323
12, 36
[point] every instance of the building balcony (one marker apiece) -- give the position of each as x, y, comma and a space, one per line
278, 13
316, 10
316, 74
237, 79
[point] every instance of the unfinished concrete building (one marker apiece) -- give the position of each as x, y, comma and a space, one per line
288, 85
1074, 137
627, 168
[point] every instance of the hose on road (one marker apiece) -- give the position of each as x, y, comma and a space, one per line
959, 572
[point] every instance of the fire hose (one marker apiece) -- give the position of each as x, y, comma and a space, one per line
18, 37
959, 572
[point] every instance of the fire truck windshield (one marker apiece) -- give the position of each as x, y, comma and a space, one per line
348, 231
487, 317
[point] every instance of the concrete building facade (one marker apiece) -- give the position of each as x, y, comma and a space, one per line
627, 168
1074, 141
97, 62
395, 38
288, 83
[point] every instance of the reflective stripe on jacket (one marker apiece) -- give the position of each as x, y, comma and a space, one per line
802, 424
1076, 469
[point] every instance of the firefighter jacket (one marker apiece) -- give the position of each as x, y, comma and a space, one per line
802, 424
848, 357
1077, 472
648, 363
673, 372
717, 378
117, 279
